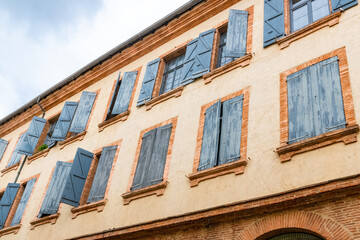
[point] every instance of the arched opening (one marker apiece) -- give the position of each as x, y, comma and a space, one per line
295, 236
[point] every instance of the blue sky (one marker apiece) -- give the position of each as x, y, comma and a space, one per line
44, 41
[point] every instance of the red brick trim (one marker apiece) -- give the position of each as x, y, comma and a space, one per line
174, 93
69, 140
38, 155
45, 220
236, 167
10, 230
11, 168
347, 100
118, 118
130, 195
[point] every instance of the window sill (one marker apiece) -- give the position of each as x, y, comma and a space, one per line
10, 230
157, 189
41, 221
120, 117
346, 135
176, 92
38, 155
9, 169
236, 167
72, 139
240, 62
99, 206
329, 21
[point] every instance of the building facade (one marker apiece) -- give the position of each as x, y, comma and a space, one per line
227, 119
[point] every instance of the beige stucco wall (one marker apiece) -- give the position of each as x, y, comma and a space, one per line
264, 173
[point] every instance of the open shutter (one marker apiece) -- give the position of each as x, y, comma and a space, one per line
3, 145
274, 27
236, 33
16, 156
102, 174
198, 57
7, 201
155, 171
148, 82
83, 112
343, 4
77, 177
23, 202
64, 121
123, 97
210, 141
32, 135
53, 194
144, 159
113, 96
299, 106
230, 138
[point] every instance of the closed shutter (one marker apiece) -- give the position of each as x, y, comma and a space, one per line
273, 21
7, 201
343, 4
144, 159
77, 177
155, 172
210, 142
3, 145
56, 187
299, 106
236, 33
198, 57
124, 95
32, 135
231, 130
83, 112
148, 82
23, 202
64, 121
102, 174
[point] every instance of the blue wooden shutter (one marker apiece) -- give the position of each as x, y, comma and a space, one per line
343, 4
56, 187
144, 159
148, 82
198, 57
230, 136
236, 33
16, 156
23, 202
64, 121
299, 106
77, 177
102, 174
7, 201
210, 142
83, 112
32, 135
3, 145
123, 97
113, 96
155, 172
274, 27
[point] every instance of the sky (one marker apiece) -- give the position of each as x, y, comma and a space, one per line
44, 41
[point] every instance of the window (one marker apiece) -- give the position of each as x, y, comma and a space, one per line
172, 74
222, 59
288, 236
48, 142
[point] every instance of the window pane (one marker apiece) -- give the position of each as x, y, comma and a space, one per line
320, 9
295, 2
300, 18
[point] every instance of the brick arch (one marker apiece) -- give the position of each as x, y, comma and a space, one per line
306, 221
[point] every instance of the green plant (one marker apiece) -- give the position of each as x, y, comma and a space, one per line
43, 147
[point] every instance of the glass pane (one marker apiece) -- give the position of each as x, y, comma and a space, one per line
320, 9
295, 2
300, 18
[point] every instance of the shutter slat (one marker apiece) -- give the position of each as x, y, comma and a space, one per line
148, 82
7, 201
102, 174
230, 138
23, 202
77, 177
210, 142
32, 135
64, 121
343, 4
236, 33
3, 145
83, 112
144, 159
56, 187
274, 27
124, 95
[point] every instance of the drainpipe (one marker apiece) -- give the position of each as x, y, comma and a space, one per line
23, 162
